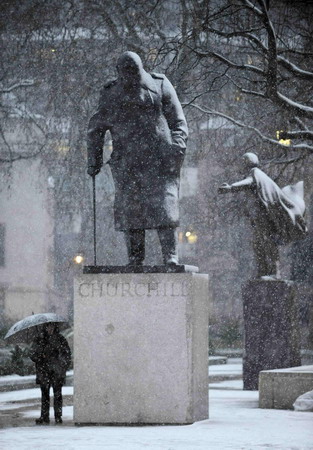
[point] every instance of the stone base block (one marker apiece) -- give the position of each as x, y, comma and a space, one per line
271, 328
278, 389
141, 348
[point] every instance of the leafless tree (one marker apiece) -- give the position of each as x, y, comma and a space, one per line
261, 53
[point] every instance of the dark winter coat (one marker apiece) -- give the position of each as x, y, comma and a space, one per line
52, 356
149, 133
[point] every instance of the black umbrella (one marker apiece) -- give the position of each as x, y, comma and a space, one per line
28, 328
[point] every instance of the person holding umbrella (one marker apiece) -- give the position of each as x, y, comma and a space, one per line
52, 355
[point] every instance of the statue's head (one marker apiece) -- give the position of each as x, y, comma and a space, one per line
129, 68
250, 160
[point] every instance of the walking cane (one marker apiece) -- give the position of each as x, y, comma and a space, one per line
94, 221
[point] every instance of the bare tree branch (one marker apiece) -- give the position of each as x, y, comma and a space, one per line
295, 70
251, 128
248, 67
297, 134
23, 83
253, 8
292, 106
17, 157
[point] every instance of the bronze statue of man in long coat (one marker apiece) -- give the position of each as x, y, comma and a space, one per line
149, 133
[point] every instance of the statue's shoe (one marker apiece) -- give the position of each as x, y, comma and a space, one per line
135, 263
171, 260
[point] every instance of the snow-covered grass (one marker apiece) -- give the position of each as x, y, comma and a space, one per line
15, 379
225, 369
228, 384
25, 394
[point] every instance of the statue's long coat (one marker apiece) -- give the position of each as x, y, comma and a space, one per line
149, 133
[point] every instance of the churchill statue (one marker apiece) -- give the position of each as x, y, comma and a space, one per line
276, 215
149, 132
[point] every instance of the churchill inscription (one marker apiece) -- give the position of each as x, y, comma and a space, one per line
129, 289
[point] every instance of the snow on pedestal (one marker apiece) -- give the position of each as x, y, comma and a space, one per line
141, 348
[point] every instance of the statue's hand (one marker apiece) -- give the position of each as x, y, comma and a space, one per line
225, 187
93, 171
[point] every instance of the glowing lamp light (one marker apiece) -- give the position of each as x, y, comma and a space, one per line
78, 259
191, 237
286, 142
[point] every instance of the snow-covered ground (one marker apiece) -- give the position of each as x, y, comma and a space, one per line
233, 368
235, 422
18, 379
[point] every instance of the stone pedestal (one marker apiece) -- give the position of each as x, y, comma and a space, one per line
141, 348
271, 328
279, 389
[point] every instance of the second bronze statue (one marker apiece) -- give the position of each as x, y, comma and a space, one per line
277, 216
149, 133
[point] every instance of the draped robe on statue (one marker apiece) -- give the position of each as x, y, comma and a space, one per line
284, 208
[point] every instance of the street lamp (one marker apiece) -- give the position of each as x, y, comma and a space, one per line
78, 259
191, 237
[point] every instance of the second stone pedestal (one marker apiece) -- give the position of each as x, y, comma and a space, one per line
141, 348
271, 328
